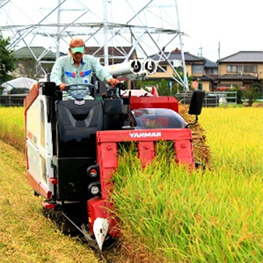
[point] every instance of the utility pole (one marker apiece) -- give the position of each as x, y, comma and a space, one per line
201, 52
218, 50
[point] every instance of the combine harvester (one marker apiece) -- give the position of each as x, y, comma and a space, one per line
72, 145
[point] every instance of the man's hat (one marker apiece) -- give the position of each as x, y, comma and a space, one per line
77, 49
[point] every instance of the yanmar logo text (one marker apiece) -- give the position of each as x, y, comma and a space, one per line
145, 134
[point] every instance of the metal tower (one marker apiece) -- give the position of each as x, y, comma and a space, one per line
147, 26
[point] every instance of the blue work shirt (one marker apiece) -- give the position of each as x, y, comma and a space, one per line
66, 71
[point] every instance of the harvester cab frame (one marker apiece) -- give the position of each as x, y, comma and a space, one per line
72, 147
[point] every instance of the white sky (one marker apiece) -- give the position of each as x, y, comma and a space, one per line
236, 24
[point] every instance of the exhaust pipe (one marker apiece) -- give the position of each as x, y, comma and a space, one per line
132, 67
150, 66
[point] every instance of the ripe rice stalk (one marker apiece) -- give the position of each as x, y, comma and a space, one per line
12, 126
201, 149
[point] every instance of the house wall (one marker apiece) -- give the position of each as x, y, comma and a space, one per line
206, 86
232, 82
170, 71
163, 75
260, 71
222, 68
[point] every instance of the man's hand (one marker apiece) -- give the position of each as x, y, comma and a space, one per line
113, 81
62, 86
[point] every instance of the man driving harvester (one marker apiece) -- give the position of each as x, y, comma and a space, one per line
77, 68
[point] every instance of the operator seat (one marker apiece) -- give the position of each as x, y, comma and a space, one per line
77, 126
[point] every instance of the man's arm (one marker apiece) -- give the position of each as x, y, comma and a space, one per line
102, 73
56, 73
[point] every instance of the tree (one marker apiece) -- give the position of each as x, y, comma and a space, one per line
7, 60
252, 93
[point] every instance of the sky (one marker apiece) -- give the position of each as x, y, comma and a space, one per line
214, 28
236, 24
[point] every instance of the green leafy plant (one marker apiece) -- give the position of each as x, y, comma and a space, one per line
252, 92
7, 61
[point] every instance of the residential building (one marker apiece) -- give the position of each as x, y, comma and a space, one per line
201, 70
29, 59
240, 69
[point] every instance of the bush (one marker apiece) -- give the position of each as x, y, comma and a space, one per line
239, 94
252, 93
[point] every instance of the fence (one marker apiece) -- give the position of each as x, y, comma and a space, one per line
12, 100
212, 99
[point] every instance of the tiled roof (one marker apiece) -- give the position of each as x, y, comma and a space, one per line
24, 53
244, 56
210, 64
237, 76
176, 55
204, 78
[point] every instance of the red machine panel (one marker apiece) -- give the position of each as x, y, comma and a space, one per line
154, 102
107, 157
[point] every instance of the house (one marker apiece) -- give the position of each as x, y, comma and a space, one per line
29, 59
200, 69
211, 68
39, 52
240, 69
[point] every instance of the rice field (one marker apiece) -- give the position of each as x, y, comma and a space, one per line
168, 215
26, 236
12, 126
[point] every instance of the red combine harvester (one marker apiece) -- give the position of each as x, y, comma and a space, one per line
72, 146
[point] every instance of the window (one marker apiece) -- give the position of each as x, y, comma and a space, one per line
250, 68
179, 69
234, 68
212, 71
196, 69
164, 68
242, 68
